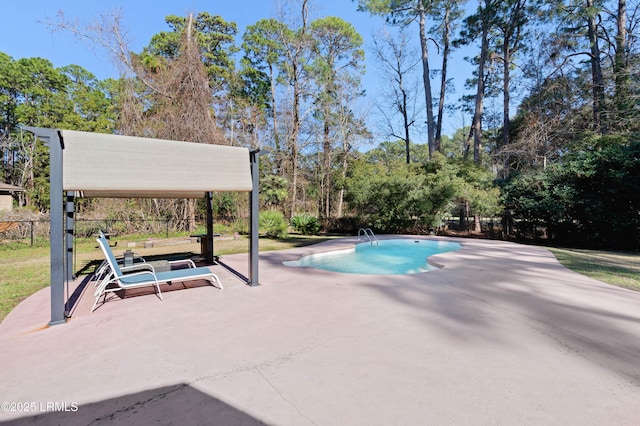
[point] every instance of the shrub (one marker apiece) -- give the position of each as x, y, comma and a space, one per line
305, 224
272, 223
241, 226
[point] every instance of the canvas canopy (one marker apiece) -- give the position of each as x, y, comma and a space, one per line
102, 165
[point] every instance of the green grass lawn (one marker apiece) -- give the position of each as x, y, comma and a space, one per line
617, 268
25, 269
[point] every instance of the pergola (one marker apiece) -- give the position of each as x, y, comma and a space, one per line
84, 164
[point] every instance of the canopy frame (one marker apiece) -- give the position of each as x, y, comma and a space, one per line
62, 194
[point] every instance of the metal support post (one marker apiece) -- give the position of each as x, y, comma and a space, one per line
253, 218
69, 240
56, 211
209, 241
69, 234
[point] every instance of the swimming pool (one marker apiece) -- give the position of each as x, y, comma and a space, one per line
388, 257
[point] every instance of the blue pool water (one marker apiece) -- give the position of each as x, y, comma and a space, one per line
395, 257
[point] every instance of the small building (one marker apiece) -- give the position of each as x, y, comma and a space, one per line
6, 195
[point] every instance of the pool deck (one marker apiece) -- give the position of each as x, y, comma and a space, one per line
501, 335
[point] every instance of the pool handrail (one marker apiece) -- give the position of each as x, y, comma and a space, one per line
367, 232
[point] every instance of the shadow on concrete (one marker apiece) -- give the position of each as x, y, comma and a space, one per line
172, 405
593, 320
88, 267
150, 291
493, 281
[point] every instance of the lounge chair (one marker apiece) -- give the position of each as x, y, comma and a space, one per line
103, 269
143, 275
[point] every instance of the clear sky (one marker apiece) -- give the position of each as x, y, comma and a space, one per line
23, 33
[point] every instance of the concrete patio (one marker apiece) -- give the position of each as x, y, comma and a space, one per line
502, 335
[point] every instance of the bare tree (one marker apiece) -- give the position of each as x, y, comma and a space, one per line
107, 33
398, 60
184, 113
404, 12
178, 88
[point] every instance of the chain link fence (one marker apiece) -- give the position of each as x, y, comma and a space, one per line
38, 228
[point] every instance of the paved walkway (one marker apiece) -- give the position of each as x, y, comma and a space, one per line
502, 335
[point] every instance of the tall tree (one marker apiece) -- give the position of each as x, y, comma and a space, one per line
511, 19
182, 102
185, 113
448, 11
248, 107
264, 50
350, 129
215, 40
34, 93
90, 101
337, 62
579, 34
621, 67
296, 45
481, 23
404, 12
599, 107
8, 94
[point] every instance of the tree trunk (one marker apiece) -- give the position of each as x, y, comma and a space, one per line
407, 142
294, 141
599, 107
476, 124
276, 139
295, 125
326, 147
345, 166
464, 212
426, 77
506, 63
621, 68
443, 79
